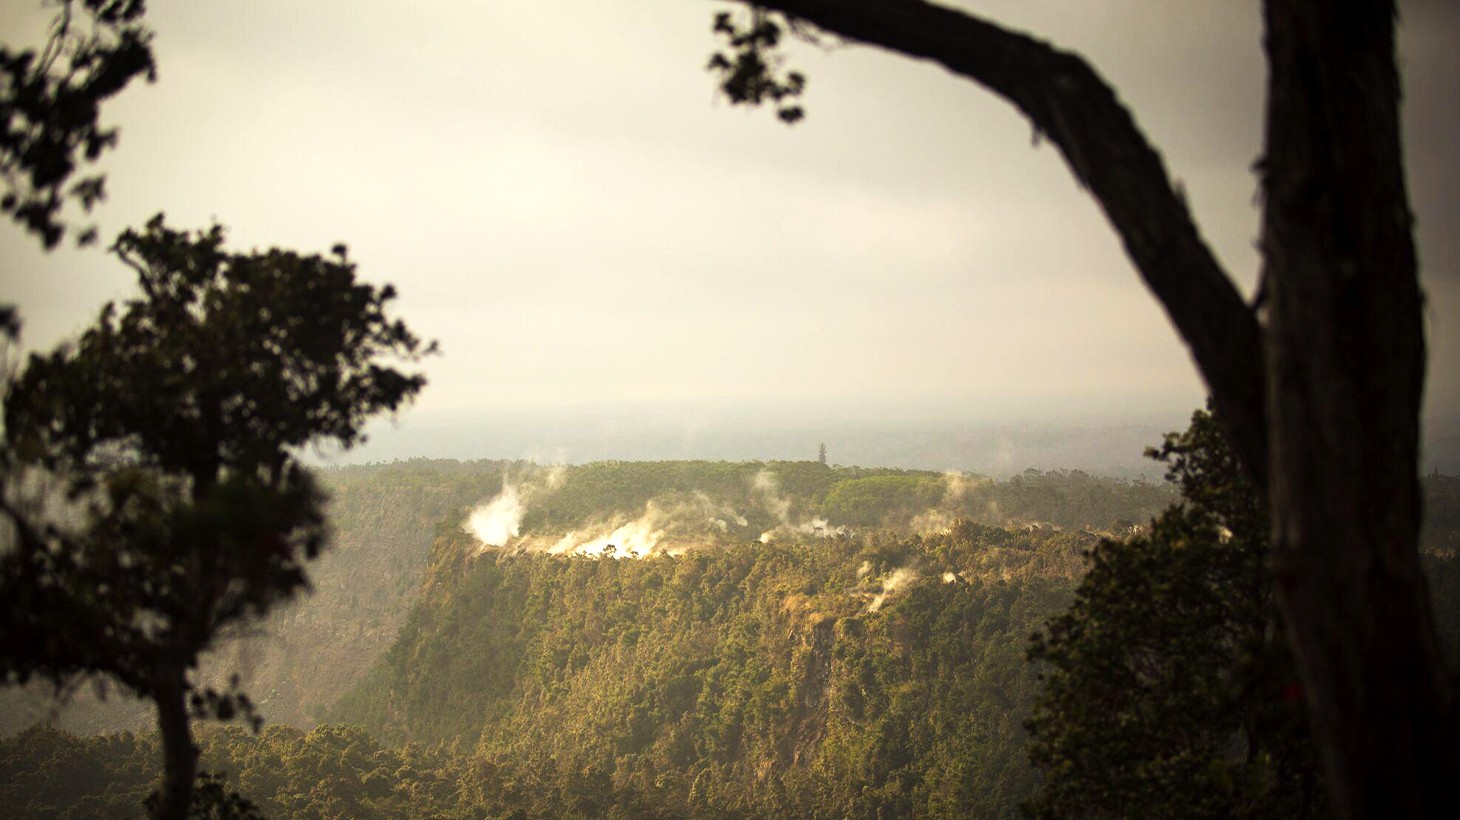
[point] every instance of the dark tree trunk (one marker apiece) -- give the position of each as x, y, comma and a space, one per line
179, 755
1346, 354
1322, 404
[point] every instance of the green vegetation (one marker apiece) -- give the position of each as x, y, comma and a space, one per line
867, 502
384, 518
152, 496
51, 99
844, 496
1170, 688
1169, 684
1318, 383
865, 672
311, 650
333, 771
825, 677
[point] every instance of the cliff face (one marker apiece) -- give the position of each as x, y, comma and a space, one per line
385, 517
801, 676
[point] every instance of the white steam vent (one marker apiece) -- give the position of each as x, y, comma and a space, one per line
899, 579
499, 520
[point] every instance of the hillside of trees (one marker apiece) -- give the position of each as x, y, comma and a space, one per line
308, 652
823, 676
840, 676
384, 518
804, 640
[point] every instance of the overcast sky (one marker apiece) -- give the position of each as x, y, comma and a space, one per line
564, 204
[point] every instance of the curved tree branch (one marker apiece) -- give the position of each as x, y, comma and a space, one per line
1067, 101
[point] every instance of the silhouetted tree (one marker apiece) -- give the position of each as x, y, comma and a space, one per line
1319, 395
152, 486
1168, 687
49, 108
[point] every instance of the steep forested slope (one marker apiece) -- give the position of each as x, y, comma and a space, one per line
801, 641
838, 676
385, 516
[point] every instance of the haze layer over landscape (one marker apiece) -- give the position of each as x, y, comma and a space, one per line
618, 265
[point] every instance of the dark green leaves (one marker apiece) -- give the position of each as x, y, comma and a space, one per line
150, 470
1165, 683
229, 361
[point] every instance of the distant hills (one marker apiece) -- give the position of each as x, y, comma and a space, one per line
386, 516
1106, 445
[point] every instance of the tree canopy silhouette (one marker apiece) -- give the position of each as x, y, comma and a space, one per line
1168, 687
152, 482
50, 105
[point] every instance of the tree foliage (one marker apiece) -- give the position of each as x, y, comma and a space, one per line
1168, 686
750, 72
332, 771
382, 518
50, 110
153, 489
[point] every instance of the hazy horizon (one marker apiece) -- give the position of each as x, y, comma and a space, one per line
1101, 446
599, 242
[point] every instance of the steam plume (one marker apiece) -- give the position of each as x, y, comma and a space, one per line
767, 488
499, 520
900, 577
643, 536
